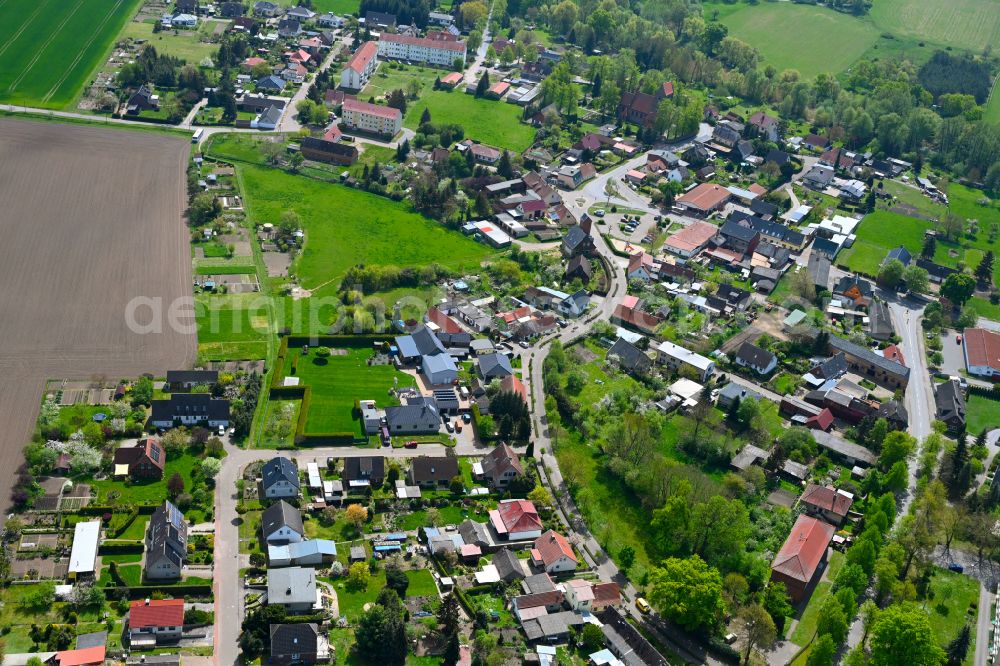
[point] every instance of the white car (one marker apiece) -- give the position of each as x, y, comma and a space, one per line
523, 344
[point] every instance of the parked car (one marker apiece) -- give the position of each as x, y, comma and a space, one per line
958, 339
642, 605
448, 426
599, 212
956, 567
467, 417
524, 344
412, 444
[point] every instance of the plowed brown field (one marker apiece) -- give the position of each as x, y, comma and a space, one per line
90, 218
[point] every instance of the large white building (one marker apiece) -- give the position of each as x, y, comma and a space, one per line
360, 67
371, 118
438, 52
83, 557
677, 357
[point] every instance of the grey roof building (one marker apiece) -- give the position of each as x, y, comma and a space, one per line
508, 566
166, 543
422, 342
281, 523
414, 419
296, 643
292, 587
950, 403
494, 366
433, 470
630, 357
280, 478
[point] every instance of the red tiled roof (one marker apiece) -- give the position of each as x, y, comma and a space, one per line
444, 322
517, 516
982, 347
452, 79
668, 89
692, 237
362, 56
804, 549
539, 599
894, 353
254, 61
371, 109
512, 384
333, 134
551, 546
705, 196
827, 499
636, 318
499, 88
156, 613
457, 47
821, 421
607, 593
83, 657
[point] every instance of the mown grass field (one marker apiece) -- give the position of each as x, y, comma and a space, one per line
398, 77
813, 39
345, 227
233, 327
981, 412
49, 48
952, 595
493, 123
883, 230
964, 24
338, 381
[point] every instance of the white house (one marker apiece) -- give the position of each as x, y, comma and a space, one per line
83, 557
759, 360
281, 524
677, 357
553, 554
439, 52
360, 67
280, 478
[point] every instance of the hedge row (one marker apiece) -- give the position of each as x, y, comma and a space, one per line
992, 393
120, 548
95, 510
146, 591
341, 341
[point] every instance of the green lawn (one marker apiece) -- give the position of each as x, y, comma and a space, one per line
185, 44
822, 41
345, 227
981, 412
233, 327
112, 491
450, 515
421, 583
50, 48
493, 123
398, 77
882, 230
338, 381
984, 308
878, 233
352, 602
806, 627
908, 195
952, 595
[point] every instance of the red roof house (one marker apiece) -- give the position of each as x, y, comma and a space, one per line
156, 613
821, 421
92, 656
516, 519
802, 557
553, 554
444, 323
827, 503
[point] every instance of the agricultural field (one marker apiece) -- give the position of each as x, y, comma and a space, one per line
72, 279
233, 327
185, 44
345, 227
338, 381
822, 40
50, 48
493, 123
962, 24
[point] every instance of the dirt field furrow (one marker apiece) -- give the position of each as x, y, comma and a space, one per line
91, 219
